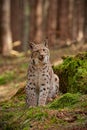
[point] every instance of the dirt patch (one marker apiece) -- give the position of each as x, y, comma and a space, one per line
8, 91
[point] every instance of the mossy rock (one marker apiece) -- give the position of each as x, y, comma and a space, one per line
73, 74
67, 100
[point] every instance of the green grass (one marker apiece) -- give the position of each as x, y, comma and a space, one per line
15, 114
7, 77
67, 100
24, 66
14, 75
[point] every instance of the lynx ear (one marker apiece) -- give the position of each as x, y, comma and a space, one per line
31, 45
46, 42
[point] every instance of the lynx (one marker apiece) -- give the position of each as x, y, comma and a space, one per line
42, 85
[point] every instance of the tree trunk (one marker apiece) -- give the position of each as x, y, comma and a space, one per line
75, 28
32, 19
17, 19
39, 19
25, 25
81, 15
1, 1
70, 17
85, 24
78, 20
63, 19
5, 28
45, 17
52, 21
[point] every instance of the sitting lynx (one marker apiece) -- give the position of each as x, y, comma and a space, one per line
43, 84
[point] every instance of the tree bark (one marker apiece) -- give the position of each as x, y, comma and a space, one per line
78, 20
1, 1
32, 19
63, 19
25, 25
39, 21
81, 15
6, 37
17, 19
70, 17
52, 21
85, 24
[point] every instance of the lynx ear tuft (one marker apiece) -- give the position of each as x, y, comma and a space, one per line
31, 45
46, 42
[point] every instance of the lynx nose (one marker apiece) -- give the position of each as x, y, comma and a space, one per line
41, 57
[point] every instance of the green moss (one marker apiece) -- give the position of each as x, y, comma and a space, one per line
82, 102
73, 74
67, 100
15, 115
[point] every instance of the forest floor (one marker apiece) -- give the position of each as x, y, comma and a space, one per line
12, 78
13, 75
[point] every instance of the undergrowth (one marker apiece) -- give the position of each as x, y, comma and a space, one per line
66, 100
7, 77
73, 74
67, 110
16, 115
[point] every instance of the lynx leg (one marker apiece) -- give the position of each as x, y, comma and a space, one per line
56, 79
44, 90
31, 96
54, 88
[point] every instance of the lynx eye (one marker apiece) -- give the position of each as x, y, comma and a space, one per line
35, 53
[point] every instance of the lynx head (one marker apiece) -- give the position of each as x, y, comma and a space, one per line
39, 53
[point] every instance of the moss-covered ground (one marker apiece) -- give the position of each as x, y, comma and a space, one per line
73, 74
67, 112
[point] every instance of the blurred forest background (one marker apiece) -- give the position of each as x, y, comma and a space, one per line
64, 22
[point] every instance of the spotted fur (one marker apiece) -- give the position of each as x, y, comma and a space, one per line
43, 84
